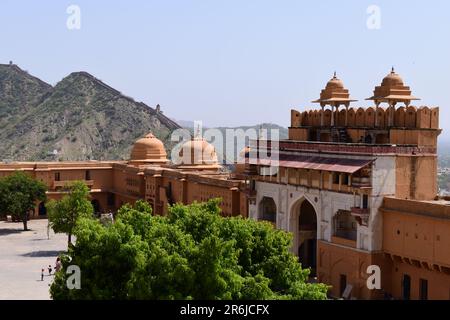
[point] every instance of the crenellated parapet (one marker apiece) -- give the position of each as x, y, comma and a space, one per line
410, 117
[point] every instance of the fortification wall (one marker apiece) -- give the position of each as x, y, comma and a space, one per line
404, 117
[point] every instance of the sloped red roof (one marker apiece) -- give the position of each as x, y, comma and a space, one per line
344, 165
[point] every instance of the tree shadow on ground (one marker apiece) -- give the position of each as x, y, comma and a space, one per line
6, 232
42, 254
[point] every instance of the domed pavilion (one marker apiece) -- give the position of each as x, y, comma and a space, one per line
148, 150
334, 95
391, 91
198, 154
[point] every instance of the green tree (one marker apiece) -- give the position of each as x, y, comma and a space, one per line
19, 193
64, 214
193, 253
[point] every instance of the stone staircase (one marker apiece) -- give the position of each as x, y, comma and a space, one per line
340, 135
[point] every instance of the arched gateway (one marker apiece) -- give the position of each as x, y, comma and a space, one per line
304, 227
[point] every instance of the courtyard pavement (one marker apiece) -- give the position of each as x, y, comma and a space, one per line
22, 256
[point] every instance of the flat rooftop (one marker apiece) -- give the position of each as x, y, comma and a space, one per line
439, 208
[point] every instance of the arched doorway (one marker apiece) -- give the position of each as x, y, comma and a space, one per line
305, 235
96, 204
268, 210
42, 209
406, 287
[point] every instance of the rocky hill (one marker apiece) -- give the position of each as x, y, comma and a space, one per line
19, 92
81, 118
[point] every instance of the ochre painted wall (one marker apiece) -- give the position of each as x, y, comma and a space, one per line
438, 282
335, 260
415, 236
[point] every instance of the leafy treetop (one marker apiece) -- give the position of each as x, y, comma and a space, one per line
19, 193
193, 253
65, 213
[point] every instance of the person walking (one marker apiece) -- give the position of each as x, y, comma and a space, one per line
58, 265
50, 270
42, 275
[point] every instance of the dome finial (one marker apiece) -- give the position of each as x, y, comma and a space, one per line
334, 93
197, 132
392, 70
260, 132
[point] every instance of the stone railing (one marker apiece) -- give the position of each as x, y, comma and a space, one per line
65, 183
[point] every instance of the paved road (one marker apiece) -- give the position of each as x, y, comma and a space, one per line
23, 255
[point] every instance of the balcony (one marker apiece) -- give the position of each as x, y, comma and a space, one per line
361, 215
361, 182
62, 184
343, 241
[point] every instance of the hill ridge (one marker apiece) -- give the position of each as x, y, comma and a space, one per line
166, 120
25, 72
80, 118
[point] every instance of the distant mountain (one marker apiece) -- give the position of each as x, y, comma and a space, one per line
81, 118
282, 131
242, 133
185, 123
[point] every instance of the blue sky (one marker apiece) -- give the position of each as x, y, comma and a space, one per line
234, 62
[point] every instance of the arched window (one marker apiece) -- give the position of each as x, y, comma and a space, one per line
268, 209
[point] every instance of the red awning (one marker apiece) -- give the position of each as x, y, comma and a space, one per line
343, 165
